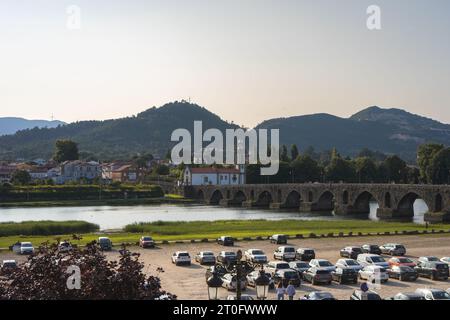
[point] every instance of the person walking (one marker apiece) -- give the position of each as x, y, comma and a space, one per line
280, 291
290, 290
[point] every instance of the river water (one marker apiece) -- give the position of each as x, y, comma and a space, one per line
114, 217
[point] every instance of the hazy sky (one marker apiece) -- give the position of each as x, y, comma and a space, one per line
246, 60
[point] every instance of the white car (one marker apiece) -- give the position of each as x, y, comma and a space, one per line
349, 263
433, 294
23, 248
428, 259
256, 256
273, 266
64, 246
181, 257
299, 266
285, 253
229, 282
374, 273
367, 259
322, 264
446, 260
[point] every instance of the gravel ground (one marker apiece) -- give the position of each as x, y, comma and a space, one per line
188, 282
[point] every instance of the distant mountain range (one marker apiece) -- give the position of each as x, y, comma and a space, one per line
392, 131
10, 125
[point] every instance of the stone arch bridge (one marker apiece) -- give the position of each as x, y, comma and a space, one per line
395, 201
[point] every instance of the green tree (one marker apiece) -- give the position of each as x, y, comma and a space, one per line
21, 177
395, 169
339, 169
66, 150
305, 169
366, 170
162, 170
425, 155
294, 152
439, 168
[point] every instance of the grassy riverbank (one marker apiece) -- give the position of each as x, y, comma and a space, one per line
45, 228
236, 228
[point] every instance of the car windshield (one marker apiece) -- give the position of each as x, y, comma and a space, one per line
208, 253
351, 262
441, 295
442, 266
302, 265
399, 246
27, 245
373, 247
257, 252
183, 254
431, 258
356, 249
324, 263
147, 239
104, 240
227, 238
347, 271
377, 259
289, 249
322, 272
404, 260
281, 237
405, 269
308, 251
290, 274
283, 266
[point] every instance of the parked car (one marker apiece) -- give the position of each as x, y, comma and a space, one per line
286, 276
230, 282
349, 263
205, 257
181, 257
305, 254
364, 295
433, 294
446, 260
105, 243
393, 249
374, 273
146, 242
299, 266
367, 259
403, 273
255, 256
322, 264
226, 241
428, 259
7, 266
407, 296
64, 246
371, 248
273, 266
23, 248
345, 275
279, 239
286, 253
227, 257
435, 270
350, 252
318, 276
218, 269
245, 297
251, 277
401, 261
319, 295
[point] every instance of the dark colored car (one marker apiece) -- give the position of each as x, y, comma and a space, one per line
105, 243
226, 241
403, 273
345, 275
434, 270
393, 249
227, 257
351, 252
318, 276
279, 239
319, 295
305, 254
7, 267
219, 269
364, 295
286, 276
407, 296
371, 248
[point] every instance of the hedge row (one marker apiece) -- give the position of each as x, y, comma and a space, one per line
46, 228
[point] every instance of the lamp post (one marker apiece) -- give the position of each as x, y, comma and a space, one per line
238, 274
262, 285
214, 283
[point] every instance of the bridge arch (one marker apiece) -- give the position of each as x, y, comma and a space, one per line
292, 200
387, 200
239, 197
406, 204
362, 202
264, 199
325, 202
216, 197
200, 196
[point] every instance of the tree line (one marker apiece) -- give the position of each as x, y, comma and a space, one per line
433, 167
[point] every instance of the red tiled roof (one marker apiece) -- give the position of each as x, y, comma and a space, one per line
215, 170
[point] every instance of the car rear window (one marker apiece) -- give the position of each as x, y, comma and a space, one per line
283, 266
442, 266
308, 251
289, 249
183, 254
351, 263
377, 259
148, 239
322, 272
291, 275
325, 263
230, 253
208, 253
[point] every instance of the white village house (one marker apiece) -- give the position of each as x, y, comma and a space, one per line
213, 176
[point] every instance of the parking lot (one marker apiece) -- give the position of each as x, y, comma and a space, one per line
188, 282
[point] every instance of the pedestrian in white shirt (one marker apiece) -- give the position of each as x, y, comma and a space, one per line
280, 291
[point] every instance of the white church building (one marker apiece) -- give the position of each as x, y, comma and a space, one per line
213, 176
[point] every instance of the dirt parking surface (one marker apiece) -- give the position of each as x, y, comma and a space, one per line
188, 282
